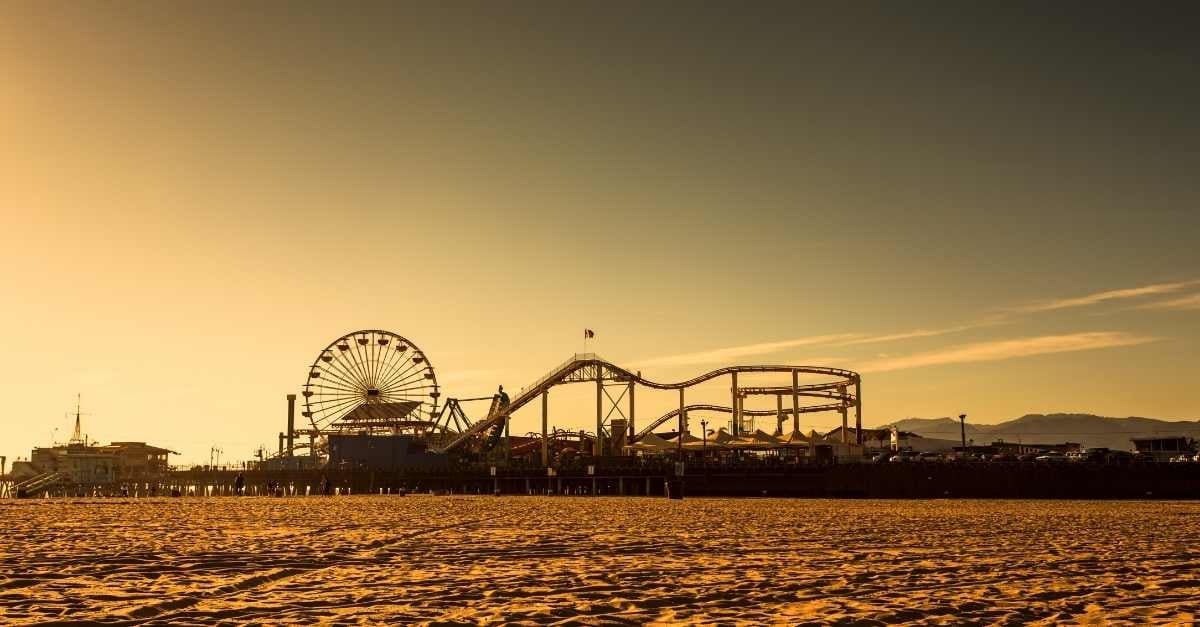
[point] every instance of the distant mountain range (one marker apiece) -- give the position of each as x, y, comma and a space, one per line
1087, 429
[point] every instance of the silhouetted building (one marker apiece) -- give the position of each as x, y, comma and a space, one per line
382, 452
90, 464
1163, 449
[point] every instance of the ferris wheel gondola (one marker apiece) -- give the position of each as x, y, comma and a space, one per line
370, 381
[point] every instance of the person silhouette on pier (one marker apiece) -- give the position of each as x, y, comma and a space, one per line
239, 484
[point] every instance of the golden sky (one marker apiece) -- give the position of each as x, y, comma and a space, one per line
983, 211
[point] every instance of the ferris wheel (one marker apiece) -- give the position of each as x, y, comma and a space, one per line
370, 381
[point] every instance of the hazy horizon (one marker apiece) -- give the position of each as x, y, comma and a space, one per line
989, 210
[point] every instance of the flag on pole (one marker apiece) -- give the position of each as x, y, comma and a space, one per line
588, 334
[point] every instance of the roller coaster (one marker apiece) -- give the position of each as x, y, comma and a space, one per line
393, 390
589, 367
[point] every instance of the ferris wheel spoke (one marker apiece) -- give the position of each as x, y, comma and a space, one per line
411, 388
345, 381
412, 394
384, 357
330, 376
330, 404
405, 373
324, 408
336, 411
344, 371
393, 369
350, 368
363, 362
339, 386
352, 361
403, 398
371, 359
392, 360
395, 386
399, 375
407, 392
410, 383
334, 400
334, 418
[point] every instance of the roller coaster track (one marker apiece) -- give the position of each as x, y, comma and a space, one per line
729, 410
589, 367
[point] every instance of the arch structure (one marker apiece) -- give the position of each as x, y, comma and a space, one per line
841, 394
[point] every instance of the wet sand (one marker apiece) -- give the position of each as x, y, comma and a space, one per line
534, 560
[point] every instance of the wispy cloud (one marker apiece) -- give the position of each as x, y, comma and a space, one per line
732, 353
986, 351
1186, 302
921, 333
1100, 297
998, 350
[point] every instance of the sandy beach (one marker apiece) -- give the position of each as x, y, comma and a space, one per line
533, 560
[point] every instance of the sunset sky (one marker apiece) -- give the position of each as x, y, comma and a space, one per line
991, 211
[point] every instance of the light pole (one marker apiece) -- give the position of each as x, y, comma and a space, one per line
704, 434
962, 424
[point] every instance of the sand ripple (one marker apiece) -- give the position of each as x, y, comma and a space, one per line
532, 560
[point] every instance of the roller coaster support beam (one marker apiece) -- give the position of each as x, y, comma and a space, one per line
545, 442
507, 440
598, 445
737, 415
795, 401
845, 426
858, 409
682, 424
632, 427
778, 414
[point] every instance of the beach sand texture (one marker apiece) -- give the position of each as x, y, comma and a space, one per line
578, 560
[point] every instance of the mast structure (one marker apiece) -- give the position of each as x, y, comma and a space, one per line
77, 435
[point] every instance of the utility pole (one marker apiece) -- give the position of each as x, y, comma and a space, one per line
962, 424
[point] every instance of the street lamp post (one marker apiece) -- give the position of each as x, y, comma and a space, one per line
704, 434
962, 424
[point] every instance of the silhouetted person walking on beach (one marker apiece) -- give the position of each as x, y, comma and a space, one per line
239, 484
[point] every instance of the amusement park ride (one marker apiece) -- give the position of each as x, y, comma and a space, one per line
378, 383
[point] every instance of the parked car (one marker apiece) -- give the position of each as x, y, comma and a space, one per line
903, 456
1146, 458
1098, 455
929, 457
1051, 458
1003, 457
1118, 457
